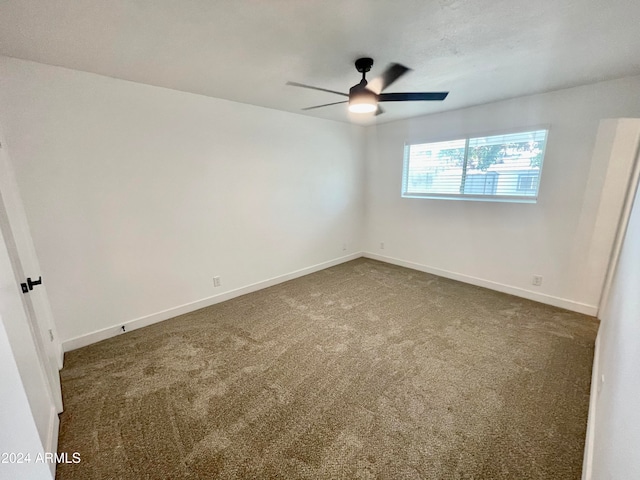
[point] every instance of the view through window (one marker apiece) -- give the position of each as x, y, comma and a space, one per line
498, 167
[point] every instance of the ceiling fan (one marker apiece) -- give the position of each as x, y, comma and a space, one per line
364, 96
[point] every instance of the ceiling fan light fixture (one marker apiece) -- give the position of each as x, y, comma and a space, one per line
363, 101
362, 107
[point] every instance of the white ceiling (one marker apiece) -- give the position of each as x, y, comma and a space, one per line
241, 50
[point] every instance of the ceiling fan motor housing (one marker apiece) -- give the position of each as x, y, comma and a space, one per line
360, 90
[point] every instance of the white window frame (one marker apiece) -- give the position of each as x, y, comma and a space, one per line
468, 196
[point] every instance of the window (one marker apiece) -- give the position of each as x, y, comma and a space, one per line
499, 168
527, 182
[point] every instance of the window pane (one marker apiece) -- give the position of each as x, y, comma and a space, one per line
513, 161
435, 167
496, 166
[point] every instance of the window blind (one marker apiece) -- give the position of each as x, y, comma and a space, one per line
497, 167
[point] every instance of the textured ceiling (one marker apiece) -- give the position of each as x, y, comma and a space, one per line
480, 51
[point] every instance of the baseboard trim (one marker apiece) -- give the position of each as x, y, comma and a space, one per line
500, 287
105, 333
587, 463
60, 355
52, 437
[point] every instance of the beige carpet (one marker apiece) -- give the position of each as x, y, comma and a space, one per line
361, 371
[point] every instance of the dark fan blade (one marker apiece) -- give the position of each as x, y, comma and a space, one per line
390, 75
325, 105
294, 84
412, 96
379, 110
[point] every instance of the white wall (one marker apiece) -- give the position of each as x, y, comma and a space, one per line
615, 420
137, 196
501, 245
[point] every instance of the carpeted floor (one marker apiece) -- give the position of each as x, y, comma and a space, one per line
361, 371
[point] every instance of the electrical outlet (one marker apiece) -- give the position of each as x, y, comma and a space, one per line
536, 280
50, 335
381, 245
216, 281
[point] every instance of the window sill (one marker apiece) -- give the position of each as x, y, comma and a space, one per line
475, 198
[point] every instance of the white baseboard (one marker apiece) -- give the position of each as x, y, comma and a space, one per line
99, 335
480, 282
52, 437
587, 463
60, 354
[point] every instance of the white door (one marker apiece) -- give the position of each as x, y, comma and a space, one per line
24, 264
28, 414
19, 432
